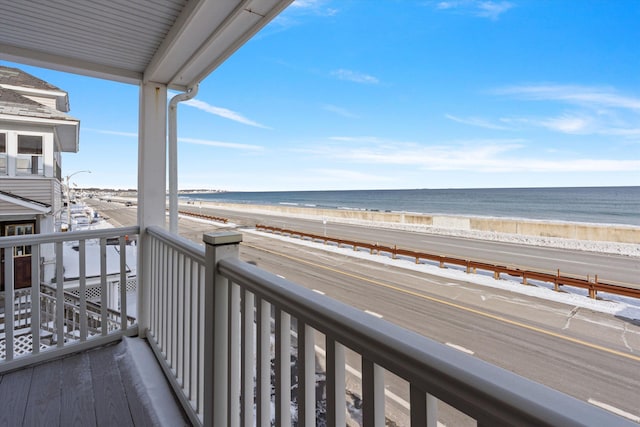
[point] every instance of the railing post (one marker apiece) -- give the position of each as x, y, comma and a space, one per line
216, 328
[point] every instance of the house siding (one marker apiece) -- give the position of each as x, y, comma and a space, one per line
39, 189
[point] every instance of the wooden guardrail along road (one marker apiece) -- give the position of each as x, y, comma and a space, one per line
471, 266
204, 216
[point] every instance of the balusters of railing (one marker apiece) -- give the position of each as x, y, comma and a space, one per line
432, 410
306, 397
263, 361
335, 385
82, 288
123, 284
372, 394
173, 315
234, 354
164, 301
67, 317
187, 309
198, 336
162, 316
9, 306
152, 253
418, 402
424, 407
283, 368
35, 299
104, 291
59, 307
248, 358
20, 302
180, 321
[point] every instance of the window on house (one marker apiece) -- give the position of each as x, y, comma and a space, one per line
20, 230
29, 160
3, 153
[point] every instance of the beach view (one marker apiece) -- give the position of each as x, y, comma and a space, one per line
319, 213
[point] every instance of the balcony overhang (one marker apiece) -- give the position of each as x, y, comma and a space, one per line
174, 42
67, 131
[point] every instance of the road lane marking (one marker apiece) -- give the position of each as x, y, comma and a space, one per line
374, 314
460, 348
615, 410
458, 306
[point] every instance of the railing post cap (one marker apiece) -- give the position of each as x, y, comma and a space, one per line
222, 238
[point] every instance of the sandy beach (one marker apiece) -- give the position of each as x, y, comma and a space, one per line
613, 239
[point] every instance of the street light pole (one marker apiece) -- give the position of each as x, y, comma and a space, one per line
69, 198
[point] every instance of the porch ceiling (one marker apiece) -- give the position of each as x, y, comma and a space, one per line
175, 42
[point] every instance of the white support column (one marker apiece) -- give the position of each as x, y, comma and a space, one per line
152, 151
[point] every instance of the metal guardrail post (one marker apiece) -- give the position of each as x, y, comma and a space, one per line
216, 326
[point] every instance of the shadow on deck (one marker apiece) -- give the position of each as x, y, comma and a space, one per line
119, 384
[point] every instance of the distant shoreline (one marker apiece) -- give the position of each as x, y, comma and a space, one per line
613, 239
591, 205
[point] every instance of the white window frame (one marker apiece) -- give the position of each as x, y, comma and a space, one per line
35, 161
4, 155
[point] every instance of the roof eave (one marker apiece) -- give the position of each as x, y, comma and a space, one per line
204, 35
68, 64
185, 58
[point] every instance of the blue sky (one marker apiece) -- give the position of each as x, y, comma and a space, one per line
364, 94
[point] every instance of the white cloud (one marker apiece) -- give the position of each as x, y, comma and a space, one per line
455, 156
475, 121
492, 9
590, 110
568, 124
354, 76
588, 96
579, 165
221, 144
479, 8
344, 175
629, 132
340, 111
316, 7
359, 139
223, 112
487, 156
306, 3
113, 132
295, 15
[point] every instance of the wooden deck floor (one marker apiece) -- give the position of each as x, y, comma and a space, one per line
93, 388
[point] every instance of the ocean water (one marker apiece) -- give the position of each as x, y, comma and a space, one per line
602, 205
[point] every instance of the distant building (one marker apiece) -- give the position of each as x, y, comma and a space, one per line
34, 131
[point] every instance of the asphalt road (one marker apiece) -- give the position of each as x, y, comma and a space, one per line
589, 355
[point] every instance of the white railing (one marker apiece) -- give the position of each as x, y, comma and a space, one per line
229, 335
44, 320
177, 315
